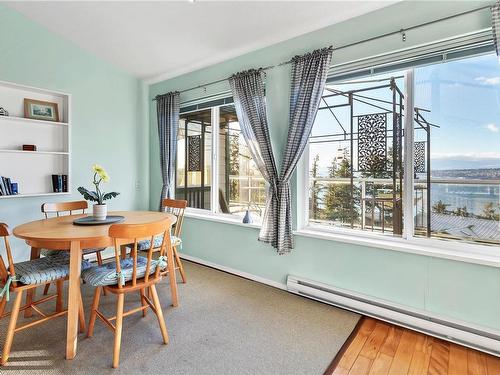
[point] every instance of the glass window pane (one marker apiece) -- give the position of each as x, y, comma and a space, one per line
194, 160
457, 150
241, 186
356, 156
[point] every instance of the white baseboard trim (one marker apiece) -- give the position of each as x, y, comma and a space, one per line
234, 271
449, 329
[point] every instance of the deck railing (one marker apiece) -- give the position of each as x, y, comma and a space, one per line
374, 209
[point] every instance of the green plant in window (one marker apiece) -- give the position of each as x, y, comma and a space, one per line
489, 212
316, 189
234, 164
440, 207
339, 204
461, 211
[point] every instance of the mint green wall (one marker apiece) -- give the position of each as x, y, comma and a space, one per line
109, 124
452, 289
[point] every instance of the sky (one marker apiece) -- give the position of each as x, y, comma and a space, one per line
463, 97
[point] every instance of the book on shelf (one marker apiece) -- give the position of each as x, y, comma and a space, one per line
64, 183
7, 187
8, 183
60, 183
3, 190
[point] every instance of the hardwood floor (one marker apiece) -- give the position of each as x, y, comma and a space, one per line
379, 348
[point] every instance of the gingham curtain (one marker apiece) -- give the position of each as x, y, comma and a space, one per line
167, 111
248, 93
309, 73
495, 25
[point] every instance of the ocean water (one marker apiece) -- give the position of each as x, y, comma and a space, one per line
474, 197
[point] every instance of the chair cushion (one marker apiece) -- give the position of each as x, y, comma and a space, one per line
146, 244
41, 270
49, 253
106, 274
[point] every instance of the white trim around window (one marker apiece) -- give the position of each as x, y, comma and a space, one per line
446, 249
214, 190
200, 214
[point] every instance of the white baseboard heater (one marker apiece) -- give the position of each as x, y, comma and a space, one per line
476, 337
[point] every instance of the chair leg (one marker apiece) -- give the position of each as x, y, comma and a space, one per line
3, 302
159, 314
118, 329
99, 262
10, 330
123, 250
179, 264
99, 258
46, 289
143, 303
93, 314
81, 316
30, 293
59, 300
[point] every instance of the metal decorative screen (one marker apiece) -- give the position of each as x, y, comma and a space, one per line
194, 153
419, 157
372, 142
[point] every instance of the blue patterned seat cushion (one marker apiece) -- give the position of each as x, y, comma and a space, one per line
146, 244
106, 274
49, 253
41, 270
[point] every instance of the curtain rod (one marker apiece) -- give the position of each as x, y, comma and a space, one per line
401, 31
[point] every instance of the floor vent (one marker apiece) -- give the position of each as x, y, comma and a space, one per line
462, 333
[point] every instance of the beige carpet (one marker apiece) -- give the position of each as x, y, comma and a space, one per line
224, 325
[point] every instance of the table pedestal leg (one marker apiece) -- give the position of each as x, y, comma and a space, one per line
73, 298
28, 313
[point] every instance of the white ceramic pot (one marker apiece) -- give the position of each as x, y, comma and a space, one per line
100, 211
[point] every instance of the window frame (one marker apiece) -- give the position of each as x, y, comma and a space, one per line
214, 198
455, 249
213, 213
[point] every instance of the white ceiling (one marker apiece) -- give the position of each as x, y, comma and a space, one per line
158, 40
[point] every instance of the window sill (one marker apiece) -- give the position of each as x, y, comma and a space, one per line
219, 218
463, 252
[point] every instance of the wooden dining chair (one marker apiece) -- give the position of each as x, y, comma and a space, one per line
129, 275
24, 276
175, 207
61, 208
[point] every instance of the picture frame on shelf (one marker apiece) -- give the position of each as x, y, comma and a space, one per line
41, 110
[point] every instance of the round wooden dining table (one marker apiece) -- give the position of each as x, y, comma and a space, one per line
59, 233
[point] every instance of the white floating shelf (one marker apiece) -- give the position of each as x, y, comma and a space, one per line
31, 195
5, 119
33, 170
35, 152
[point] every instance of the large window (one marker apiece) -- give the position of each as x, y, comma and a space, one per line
457, 150
359, 151
215, 170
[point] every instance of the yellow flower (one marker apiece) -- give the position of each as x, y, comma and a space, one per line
103, 175
97, 168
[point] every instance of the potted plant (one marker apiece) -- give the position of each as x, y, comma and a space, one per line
99, 210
